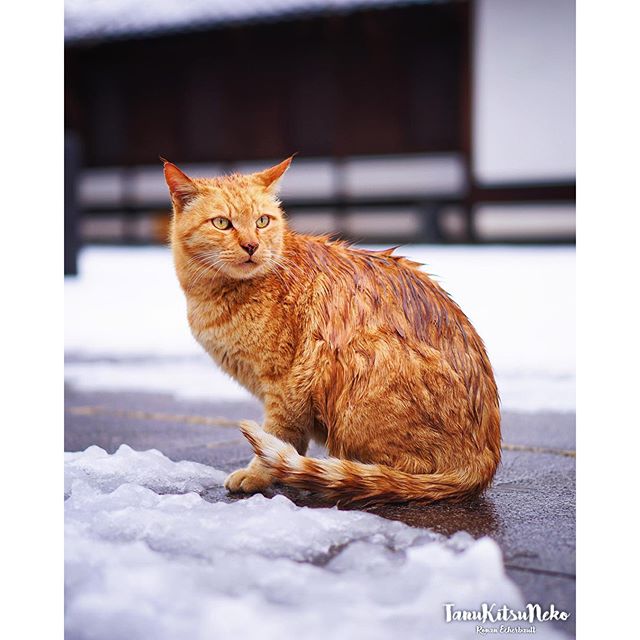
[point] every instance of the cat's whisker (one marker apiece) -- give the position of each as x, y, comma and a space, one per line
218, 265
276, 272
285, 264
199, 259
281, 260
221, 264
198, 263
203, 271
205, 263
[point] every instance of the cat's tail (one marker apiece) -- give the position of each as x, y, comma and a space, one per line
355, 483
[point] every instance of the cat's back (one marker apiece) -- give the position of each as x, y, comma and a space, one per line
375, 292
374, 309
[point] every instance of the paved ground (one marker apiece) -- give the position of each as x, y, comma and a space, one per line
529, 511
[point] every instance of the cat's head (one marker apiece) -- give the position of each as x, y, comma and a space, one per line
233, 223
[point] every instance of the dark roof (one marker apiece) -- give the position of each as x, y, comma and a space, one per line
95, 20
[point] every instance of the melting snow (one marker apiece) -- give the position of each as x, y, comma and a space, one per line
150, 469
147, 557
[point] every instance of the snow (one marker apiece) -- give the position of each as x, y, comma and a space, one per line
126, 302
146, 556
126, 326
150, 469
195, 378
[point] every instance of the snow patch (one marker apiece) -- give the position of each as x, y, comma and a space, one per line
150, 469
141, 564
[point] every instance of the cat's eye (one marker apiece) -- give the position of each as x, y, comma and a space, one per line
221, 223
262, 222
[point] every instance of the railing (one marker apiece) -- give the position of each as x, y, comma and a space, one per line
431, 187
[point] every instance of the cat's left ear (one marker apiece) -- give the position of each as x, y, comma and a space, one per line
269, 178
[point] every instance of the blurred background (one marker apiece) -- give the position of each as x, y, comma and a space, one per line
414, 122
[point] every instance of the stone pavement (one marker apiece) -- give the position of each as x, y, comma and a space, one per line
529, 511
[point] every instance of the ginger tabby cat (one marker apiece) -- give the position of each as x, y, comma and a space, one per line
359, 350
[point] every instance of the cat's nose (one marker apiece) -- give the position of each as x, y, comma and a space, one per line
250, 247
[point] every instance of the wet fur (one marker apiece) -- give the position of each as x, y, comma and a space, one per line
359, 350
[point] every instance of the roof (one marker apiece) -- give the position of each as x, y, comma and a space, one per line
96, 20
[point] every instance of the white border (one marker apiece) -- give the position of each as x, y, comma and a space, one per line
608, 317
31, 254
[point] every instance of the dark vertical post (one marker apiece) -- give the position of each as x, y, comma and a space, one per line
430, 230
71, 209
129, 212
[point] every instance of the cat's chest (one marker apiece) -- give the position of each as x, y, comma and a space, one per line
233, 337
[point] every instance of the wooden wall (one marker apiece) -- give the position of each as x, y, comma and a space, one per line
375, 82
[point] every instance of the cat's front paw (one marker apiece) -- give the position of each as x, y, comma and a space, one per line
251, 479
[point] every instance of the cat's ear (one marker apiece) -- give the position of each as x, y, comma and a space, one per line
269, 178
181, 187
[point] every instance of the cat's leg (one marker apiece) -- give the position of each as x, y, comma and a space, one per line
287, 420
251, 479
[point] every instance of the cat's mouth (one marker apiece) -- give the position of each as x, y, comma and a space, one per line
248, 264
247, 268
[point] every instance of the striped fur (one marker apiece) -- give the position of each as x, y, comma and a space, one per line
359, 350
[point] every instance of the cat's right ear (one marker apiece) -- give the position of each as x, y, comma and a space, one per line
181, 187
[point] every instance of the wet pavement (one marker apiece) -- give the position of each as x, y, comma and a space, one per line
529, 510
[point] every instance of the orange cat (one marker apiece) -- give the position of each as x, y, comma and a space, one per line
359, 350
